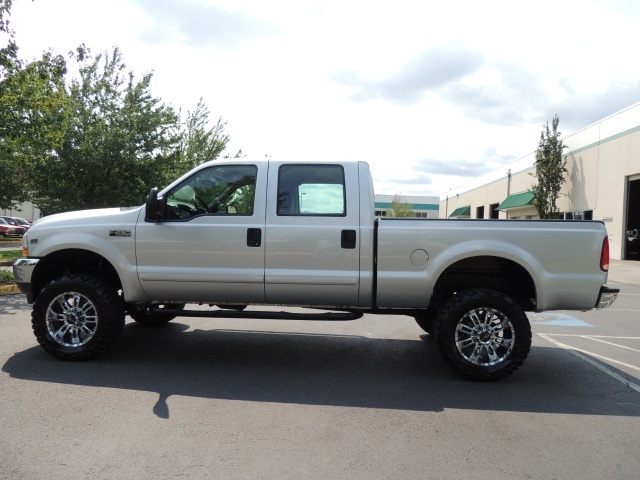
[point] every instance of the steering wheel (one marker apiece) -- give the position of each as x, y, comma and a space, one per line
201, 203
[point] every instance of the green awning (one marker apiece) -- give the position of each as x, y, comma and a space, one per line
461, 212
516, 200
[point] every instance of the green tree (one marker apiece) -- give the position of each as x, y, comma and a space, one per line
96, 140
199, 143
32, 100
118, 140
11, 185
400, 208
550, 170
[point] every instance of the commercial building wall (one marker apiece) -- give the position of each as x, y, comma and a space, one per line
26, 210
422, 207
602, 161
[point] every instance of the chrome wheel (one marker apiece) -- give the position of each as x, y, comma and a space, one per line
71, 319
485, 336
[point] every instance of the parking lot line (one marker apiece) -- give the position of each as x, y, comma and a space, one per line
578, 352
596, 339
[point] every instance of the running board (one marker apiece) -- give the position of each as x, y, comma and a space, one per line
328, 316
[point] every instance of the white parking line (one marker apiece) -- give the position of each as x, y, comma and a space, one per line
579, 353
596, 339
593, 336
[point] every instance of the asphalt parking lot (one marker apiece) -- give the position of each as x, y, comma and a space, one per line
370, 398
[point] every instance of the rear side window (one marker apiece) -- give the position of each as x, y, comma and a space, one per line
311, 190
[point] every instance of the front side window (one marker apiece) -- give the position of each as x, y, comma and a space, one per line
219, 190
311, 190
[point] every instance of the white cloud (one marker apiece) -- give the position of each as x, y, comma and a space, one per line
411, 87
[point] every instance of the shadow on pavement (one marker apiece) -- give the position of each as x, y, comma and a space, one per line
335, 370
13, 304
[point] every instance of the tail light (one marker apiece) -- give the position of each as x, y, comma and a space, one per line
604, 256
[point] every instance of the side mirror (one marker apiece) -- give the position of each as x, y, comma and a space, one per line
153, 212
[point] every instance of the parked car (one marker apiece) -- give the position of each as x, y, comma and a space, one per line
23, 222
7, 229
17, 223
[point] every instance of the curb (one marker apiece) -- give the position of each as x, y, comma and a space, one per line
9, 290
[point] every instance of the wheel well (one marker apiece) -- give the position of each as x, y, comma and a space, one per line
496, 273
65, 262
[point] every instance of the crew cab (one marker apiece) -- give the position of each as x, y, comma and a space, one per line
234, 233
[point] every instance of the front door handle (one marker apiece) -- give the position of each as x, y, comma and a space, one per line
254, 237
348, 239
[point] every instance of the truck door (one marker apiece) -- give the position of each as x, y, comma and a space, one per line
209, 245
312, 242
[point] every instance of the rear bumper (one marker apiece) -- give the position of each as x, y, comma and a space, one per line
607, 296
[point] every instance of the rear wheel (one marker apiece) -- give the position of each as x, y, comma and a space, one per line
483, 334
77, 317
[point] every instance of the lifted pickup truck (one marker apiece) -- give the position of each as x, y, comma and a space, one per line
234, 233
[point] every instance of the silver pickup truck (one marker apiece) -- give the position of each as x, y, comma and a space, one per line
233, 233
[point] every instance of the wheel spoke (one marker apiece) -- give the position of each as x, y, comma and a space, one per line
488, 316
59, 334
86, 330
75, 339
504, 342
465, 343
484, 336
475, 355
466, 329
473, 316
64, 305
493, 356
75, 301
72, 319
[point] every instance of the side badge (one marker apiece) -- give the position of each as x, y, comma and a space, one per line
119, 233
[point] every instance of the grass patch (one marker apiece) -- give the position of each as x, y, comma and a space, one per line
10, 255
6, 278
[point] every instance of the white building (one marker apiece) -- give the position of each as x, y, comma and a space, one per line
27, 210
603, 163
422, 207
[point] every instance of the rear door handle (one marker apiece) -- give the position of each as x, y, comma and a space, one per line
254, 237
348, 239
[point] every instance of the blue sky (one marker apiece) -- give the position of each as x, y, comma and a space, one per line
431, 94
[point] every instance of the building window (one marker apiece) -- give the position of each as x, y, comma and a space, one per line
480, 212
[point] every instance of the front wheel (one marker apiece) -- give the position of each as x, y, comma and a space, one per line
483, 334
77, 317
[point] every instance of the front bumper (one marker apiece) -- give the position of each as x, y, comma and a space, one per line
607, 296
22, 272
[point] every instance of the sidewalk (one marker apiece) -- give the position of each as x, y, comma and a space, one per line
624, 271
